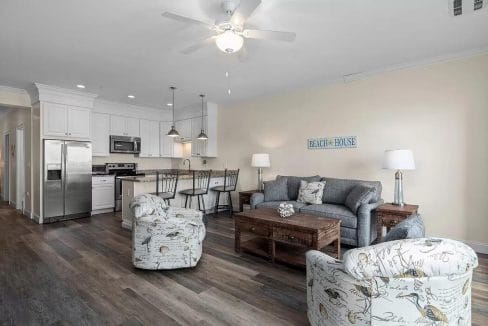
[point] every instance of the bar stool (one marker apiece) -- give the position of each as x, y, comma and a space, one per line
230, 183
201, 182
169, 182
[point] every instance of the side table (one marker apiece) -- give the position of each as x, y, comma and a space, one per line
245, 198
389, 215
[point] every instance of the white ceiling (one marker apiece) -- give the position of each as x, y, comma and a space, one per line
119, 47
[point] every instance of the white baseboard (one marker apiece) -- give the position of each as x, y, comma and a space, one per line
27, 214
36, 218
479, 247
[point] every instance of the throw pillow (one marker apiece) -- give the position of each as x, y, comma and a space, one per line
409, 228
276, 190
310, 192
294, 184
359, 195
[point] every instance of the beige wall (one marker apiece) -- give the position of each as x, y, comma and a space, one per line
439, 111
9, 122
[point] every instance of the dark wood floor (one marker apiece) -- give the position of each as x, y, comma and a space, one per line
79, 273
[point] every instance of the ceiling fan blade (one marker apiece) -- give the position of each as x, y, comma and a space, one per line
243, 11
198, 46
269, 35
184, 19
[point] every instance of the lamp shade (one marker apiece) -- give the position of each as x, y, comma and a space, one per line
260, 161
398, 159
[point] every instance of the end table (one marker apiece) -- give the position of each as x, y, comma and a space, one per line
245, 198
389, 215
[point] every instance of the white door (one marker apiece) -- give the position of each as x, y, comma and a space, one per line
117, 125
132, 127
100, 134
6, 168
20, 169
78, 122
145, 138
165, 142
55, 119
184, 128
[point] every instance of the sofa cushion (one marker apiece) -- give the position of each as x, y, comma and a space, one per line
276, 204
337, 189
276, 190
341, 212
310, 192
360, 194
294, 184
410, 228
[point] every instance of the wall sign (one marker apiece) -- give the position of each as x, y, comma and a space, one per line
333, 142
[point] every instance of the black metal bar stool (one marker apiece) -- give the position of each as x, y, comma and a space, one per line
230, 183
169, 182
201, 182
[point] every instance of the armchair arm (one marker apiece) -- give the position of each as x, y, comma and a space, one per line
425, 257
256, 198
334, 297
366, 223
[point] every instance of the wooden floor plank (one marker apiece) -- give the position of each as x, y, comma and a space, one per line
80, 272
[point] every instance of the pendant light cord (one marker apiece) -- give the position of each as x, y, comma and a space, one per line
202, 96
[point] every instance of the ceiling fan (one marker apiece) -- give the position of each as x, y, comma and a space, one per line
229, 29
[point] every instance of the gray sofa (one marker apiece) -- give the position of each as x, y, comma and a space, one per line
357, 229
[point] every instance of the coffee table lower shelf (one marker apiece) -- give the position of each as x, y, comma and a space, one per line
284, 253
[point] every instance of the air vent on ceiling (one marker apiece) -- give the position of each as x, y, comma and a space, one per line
460, 7
478, 4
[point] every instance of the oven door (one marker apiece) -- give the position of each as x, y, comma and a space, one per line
121, 144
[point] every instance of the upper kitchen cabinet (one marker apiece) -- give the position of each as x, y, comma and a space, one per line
149, 138
124, 126
166, 143
184, 129
100, 134
65, 121
205, 148
198, 146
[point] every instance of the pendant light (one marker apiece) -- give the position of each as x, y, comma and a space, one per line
202, 135
173, 133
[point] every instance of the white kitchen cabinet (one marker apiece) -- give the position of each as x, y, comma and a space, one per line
149, 138
79, 122
66, 121
205, 148
100, 134
166, 143
124, 126
198, 146
132, 127
184, 129
103, 194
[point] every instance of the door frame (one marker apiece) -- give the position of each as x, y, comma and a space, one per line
20, 167
6, 167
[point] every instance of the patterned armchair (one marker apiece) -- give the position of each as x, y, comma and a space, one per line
407, 282
165, 237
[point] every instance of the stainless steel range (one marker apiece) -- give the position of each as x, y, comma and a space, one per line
120, 169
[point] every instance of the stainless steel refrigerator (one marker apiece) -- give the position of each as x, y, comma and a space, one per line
67, 189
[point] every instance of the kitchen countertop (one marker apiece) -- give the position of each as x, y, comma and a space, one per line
150, 175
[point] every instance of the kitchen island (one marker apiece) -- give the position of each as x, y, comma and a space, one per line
145, 182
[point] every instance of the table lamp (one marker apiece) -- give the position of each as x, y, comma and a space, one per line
260, 161
398, 159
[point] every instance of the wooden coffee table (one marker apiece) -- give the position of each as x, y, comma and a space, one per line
263, 232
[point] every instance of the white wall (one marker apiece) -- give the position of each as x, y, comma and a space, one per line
439, 111
8, 124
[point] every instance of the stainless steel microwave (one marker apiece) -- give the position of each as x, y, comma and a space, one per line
124, 144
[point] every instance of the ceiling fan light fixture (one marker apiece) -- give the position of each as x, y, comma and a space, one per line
229, 41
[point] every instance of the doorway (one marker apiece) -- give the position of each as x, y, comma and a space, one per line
6, 168
20, 169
